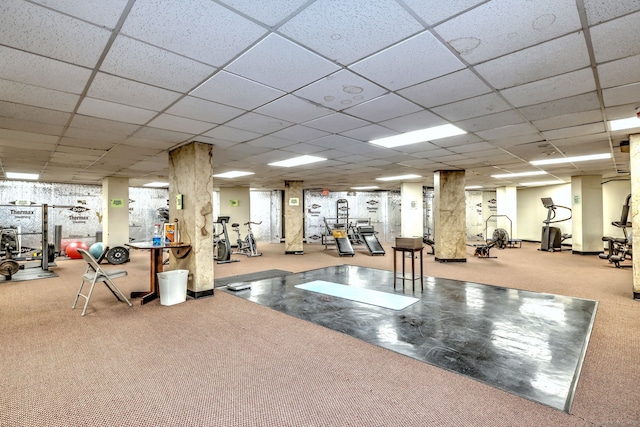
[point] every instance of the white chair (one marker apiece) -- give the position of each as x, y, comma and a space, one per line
94, 273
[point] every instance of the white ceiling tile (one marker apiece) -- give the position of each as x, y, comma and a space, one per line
599, 11
229, 89
303, 148
270, 141
299, 133
147, 64
412, 61
347, 31
568, 120
268, 12
206, 111
93, 136
562, 86
334, 142
420, 120
367, 133
513, 141
31, 28
569, 132
27, 137
230, 134
23, 67
454, 141
447, 89
20, 93
105, 13
254, 122
559, 107
336, 123
561, 55
490, 121
434, 11
384, 107
163, 135
180, 124
293, 109
31, 126
197, 29
25, 112
507, 131
611, 41
340, 90
128, 92
216, 142
112, 111
279, 63
95, 124
479, 106
621, 94
621, 111
618, 72
80, 142
499, 27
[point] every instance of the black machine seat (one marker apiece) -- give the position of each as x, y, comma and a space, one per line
235, 225
368, 235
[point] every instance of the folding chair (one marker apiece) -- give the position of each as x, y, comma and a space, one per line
94, 273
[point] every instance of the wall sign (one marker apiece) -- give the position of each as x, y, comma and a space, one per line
294, 201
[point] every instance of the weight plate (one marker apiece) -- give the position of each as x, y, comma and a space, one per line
9, 267
117, 255
51, 252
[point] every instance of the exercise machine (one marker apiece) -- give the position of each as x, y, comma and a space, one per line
619, 247
339, 234
511, 242
368, 236
246, 246
499, 240
222, 244
552, 237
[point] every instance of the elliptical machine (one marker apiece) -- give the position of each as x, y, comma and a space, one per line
552, 237
222, 246
246, 246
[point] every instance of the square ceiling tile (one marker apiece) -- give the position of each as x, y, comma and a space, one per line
412, 61
568, 132
103, 13
270, 141
477, 37
610, 41
198, 29
128, 92
447, 89
435, 11
27, 68
148, 64
559, 107
340, 90
112, 111
282, 64
474, 107
568, 120
293, 109
420, 120
621, 95
230, 134
299, 133
303, 148
34, 114
382, 108
599, 11
206, 111
562, 86
367, 133
254, 122
35, 96
268, 12
490, 121
507, 131
336, 123
229, 89
560, 55
616, 73
31, 126
180, 124
348, 31
163, 135
92, 123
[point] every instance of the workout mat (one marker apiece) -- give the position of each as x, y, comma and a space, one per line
250, 277
353, 293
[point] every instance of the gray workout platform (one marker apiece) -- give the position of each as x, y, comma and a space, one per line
526, 343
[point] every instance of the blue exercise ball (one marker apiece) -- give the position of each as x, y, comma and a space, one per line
96, 250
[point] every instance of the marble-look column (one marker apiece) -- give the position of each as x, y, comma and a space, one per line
507, 204
412, 213
115, 211
449, 216
586, 214
190, 175
293, 218
634, 149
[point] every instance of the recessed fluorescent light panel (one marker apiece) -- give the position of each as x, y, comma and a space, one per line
18, 175
366, 187
571, 159
399, 177
422, 135
473, 187
540, 183
297, 161
232, 174
157, 184
518, 174
621, 124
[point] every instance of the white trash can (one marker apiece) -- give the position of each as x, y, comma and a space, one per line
173, 286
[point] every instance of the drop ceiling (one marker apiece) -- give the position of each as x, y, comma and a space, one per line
96, 89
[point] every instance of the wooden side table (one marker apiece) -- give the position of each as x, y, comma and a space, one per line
413, 278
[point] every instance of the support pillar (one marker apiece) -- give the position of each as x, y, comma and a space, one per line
634, 148
293, 218
412, 213
190, 178
450, 222
507, 203
586, 214
115, 211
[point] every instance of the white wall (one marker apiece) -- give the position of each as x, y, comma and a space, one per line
531, 212
614, 194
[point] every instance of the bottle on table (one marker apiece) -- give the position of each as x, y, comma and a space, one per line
157, 235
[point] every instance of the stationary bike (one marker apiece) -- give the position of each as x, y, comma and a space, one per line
221, 243
246, 246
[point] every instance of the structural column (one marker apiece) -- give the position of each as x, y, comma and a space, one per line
115, 211
586, 214
293, 218
412, 213
634, 148
449, 218
191, 203
507, 210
